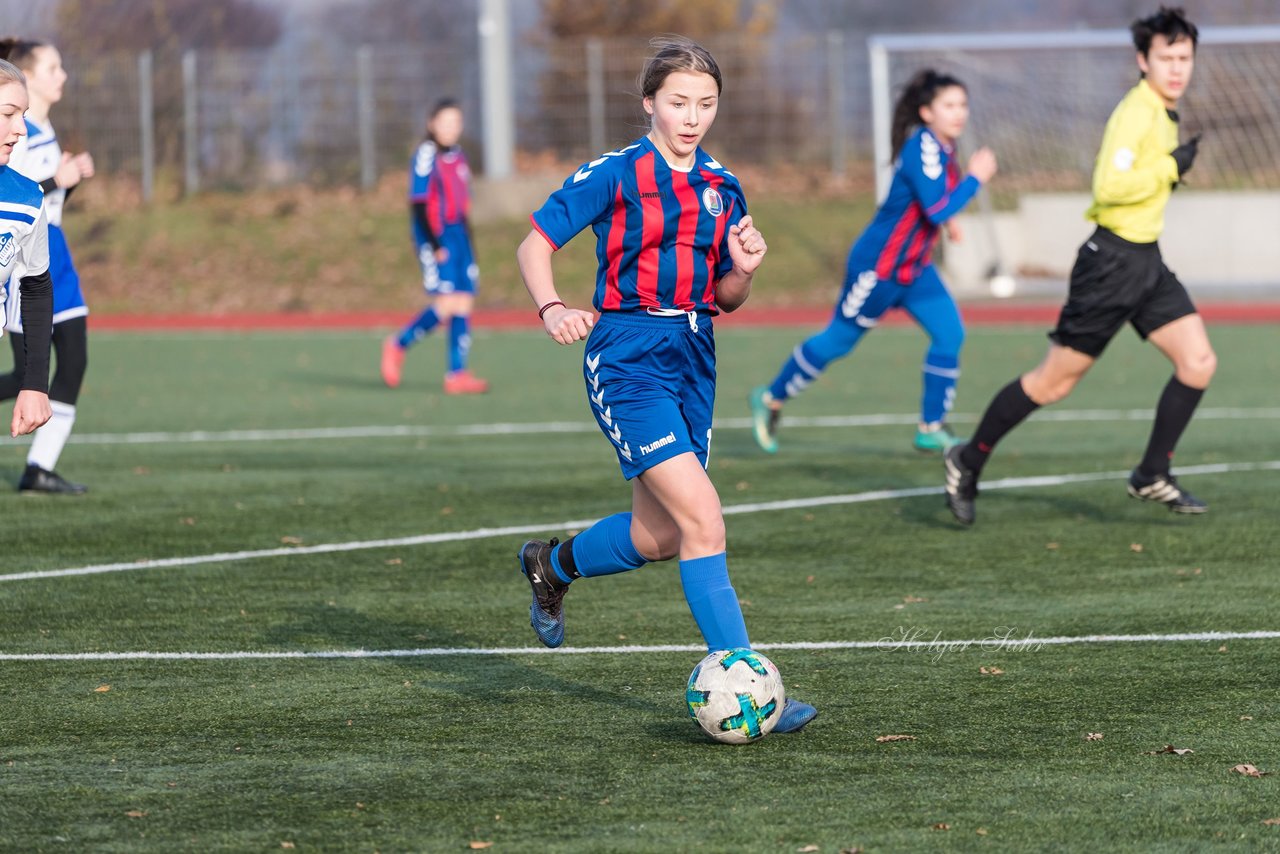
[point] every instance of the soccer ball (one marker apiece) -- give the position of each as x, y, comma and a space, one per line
735, 695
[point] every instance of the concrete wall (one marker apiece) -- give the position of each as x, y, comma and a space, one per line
1215, 242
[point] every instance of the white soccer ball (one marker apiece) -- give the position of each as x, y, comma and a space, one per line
1003, 286
735, 695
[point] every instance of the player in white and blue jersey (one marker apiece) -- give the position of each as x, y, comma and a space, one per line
439, 202
40, 158
675, 247
24, 256
891, 263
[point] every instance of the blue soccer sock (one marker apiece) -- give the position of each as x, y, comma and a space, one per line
603, 549
713, 603
940, 375
811, 358
419, 328
459, 342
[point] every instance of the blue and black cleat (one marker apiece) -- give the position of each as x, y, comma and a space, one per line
546, 612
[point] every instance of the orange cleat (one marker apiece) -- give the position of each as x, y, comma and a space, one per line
463, 382
392, 360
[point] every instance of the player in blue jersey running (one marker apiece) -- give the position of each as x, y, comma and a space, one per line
24, 256
675, 247
439, 201
890, 265
40, 158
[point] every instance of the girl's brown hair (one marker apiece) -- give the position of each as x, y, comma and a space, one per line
676, 53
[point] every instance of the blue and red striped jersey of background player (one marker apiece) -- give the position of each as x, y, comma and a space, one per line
442, 181
662, 233
927, 190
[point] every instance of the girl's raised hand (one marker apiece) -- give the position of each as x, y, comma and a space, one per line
568, 325
746, 246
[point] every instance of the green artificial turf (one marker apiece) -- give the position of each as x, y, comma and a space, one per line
593, 752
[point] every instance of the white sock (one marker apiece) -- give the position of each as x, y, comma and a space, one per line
52, 437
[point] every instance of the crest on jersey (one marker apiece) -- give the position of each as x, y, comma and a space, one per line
8, 248
712, 201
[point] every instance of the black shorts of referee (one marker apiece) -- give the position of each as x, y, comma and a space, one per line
1114, 282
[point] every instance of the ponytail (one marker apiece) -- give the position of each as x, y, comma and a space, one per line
919, 92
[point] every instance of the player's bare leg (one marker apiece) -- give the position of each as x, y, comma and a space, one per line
682, 495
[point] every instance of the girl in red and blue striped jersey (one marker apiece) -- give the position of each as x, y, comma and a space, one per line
439, 202
891, 262
675, 247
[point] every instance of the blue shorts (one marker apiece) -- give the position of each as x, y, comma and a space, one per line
68, 301
865, 300
458, 274
651, 381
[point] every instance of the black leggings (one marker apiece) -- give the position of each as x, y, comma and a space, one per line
71, 345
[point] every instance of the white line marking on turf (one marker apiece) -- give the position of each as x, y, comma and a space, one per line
886, 644
533, 429
579, 524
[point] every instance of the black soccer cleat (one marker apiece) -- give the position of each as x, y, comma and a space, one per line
961, 487
1164, 489
36, 479
546, 611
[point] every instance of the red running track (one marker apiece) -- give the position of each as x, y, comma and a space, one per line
975, 314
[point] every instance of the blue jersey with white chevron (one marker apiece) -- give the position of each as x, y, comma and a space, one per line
24, 234
927, 190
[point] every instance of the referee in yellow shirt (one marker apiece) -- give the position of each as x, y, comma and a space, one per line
1120, 277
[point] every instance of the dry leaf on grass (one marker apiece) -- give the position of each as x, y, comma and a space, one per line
136, 813
854, 850
291, 541
982, 831
808, 849
990, 671
1249, 771
287, 844
942, 825
1273, 822
881, 739
1169, 748
102, 689
1246, 717
1093, 736
476, 845
1051, 546
1135, 547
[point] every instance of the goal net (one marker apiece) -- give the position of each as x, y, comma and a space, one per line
1041, 100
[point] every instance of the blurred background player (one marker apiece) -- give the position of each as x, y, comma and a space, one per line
891, 264
439, 200
24, 256
41, 158
1119, 277
676, 247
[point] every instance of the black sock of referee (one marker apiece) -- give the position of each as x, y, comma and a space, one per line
1173, 414
1006, 411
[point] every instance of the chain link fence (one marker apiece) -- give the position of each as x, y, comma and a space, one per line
242, 119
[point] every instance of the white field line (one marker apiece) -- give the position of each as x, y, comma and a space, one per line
1027, 644
543, 428
579, 524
